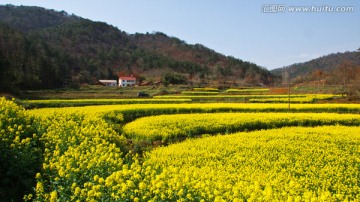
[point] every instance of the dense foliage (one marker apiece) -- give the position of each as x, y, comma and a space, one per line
79, 149
332, 69
30, 63
20, 152
42, 48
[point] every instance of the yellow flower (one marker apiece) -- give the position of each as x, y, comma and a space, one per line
90, 194
142, 185
39, 187
77, 191
96, 178
38, 176
53, 196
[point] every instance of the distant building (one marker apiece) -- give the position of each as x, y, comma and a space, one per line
125, 81
107, 82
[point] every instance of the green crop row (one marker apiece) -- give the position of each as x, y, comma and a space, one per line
86, 102
294, 98
249, 90
199, 93
206, 89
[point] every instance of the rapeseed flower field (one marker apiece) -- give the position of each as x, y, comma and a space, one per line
265, 154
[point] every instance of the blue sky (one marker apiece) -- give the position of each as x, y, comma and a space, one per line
244, 29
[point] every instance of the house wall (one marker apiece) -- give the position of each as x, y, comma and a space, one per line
108, 83
111, 84
125, 83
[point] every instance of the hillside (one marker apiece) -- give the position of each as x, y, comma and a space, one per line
41, 48
332, 69
210, 63
29, 19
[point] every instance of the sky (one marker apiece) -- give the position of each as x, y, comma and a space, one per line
268, 33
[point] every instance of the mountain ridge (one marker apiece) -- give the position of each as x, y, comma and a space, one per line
79, 50
332, 69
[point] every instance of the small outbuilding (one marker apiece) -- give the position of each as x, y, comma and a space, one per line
107, 82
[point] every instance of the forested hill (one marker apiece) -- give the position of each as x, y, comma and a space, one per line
41, 48
332, 69
33, 18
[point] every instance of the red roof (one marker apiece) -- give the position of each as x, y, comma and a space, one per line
127, 78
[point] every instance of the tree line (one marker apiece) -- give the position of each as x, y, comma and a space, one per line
60, 50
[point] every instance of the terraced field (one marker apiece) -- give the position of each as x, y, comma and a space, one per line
242, 152
173, 127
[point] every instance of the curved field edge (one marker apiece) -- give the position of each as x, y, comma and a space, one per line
44, 156
293, 164
82, 160
172, 127
269, 98
134, 111
30, 104
79, 149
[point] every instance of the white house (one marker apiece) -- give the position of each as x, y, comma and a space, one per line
125, 81
108, 82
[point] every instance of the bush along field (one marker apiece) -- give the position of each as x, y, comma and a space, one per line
87, 153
